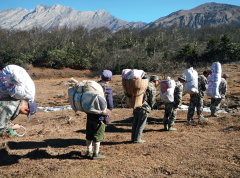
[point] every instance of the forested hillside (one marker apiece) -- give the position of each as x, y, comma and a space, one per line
155, 49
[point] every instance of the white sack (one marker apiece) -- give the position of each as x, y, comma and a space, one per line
18, 83
191, 84
167, 90
124, 72
214, 81
134, 74
86, 97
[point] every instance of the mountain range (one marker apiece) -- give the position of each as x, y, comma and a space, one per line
51, 16
206, 14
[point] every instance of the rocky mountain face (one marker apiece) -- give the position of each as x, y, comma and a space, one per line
51, 16
206, 14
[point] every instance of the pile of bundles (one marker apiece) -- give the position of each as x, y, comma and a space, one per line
134, 84
16, 83
88, 96
167, 90
214, 81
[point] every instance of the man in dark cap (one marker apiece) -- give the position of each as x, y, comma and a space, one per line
95, 129
196, 100
10, 108
215, 102
171, 108
140, 114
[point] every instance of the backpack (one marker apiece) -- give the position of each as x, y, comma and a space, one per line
191, 83
214, 81
88, 96
15, 82
167, 90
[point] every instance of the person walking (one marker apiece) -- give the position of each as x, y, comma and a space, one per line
196, 100
171, 108
215, 102
95, 128
140, 114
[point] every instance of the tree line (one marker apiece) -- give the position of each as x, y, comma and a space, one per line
156, 49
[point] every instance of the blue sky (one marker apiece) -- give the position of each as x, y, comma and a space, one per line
128, 10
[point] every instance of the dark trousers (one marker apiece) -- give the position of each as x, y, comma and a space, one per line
138, 124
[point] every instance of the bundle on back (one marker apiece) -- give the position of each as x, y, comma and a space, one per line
15, 82
214, 81
88, 96
134, 85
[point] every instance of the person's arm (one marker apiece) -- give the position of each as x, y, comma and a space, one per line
204, 83
178, 95
224, 90
151, 96
4, 122
109, 98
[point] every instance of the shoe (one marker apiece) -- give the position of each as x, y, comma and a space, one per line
97, 156
190, 119
141, 141
172, 129
89, 154
203, 119
166, 127
214, 115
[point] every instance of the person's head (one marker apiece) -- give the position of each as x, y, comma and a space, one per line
225, 76
207, 73
106, 75
28, 108
182, 78
154, 79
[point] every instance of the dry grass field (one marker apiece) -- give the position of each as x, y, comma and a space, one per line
54, 146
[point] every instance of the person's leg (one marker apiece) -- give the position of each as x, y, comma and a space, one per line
166, 115
200, 108
215, 104
89, 138
191, 108
172, 118
134, 124
99, 132
140, 126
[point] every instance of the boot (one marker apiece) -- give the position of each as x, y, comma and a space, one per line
214, 115
141, 141
89, 154
172, 129
203, 119
97, 156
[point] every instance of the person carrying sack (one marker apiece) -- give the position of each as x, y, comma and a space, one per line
196, 100
171, 108
140, 114
95, 128
215, 102
10, 108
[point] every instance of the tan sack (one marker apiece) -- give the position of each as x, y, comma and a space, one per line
134, 91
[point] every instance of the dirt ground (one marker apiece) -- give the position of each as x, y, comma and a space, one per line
54, 145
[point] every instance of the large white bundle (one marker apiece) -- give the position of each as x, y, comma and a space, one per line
167, 90
88, 96
191, 84
18, 84
133, 74
214, 81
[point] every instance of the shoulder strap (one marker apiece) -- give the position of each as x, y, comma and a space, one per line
103, 85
